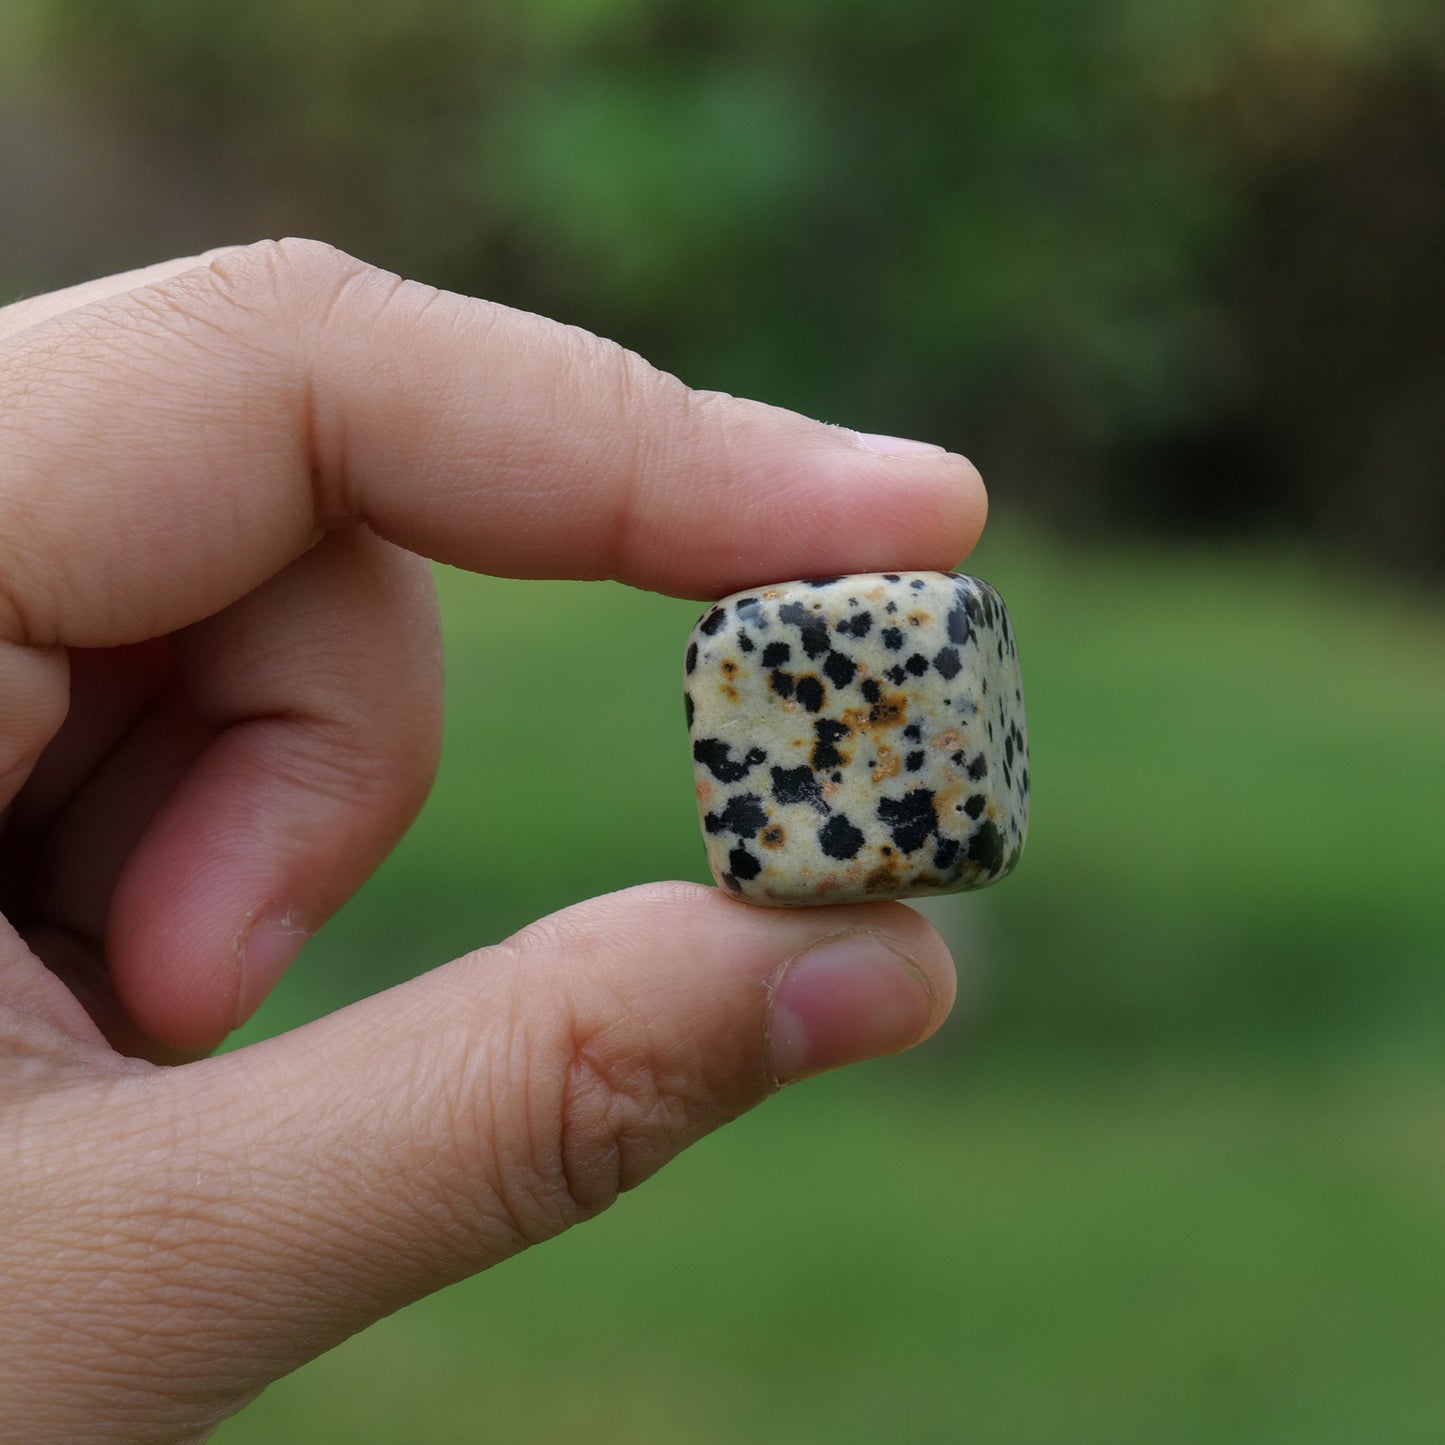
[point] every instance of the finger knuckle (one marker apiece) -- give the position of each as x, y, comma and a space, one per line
604, 1109
293, 260
301, 281
618, 1110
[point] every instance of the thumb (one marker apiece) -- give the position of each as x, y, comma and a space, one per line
330, 1175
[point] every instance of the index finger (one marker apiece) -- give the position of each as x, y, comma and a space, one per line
165, 450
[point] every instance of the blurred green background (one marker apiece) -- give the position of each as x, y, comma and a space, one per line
1170, 273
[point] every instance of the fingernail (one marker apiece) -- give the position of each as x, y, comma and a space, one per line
270, 949
847, 999
894, 446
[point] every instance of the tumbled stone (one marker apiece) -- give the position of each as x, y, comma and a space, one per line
858, 737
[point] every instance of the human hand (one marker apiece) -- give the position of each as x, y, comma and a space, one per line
220, 706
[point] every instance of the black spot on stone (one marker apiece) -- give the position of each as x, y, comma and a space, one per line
870, 690
744, 815
892, 638
781, 683
975, 805
917, 664
713, 621
959, 628
745, 643
775, 654
838, 838
945, 853
913, 732
917, 584
947, 663
971, 606
798, 785
820, 581
1008, 748
858, 626
743, 865
914, 761
891, 577
978, 768
891, 608
910, 819
827, 732
750, 609
812, 630
815, 640
691, 661
839, 669
956, 758
896, 676
985, 847
687, 706
811, 693
716, 756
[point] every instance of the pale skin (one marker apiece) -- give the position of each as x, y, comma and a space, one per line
220, 706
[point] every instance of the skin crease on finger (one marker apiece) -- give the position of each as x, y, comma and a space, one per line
245, 457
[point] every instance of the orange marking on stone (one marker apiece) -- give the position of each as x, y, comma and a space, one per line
884, 878
890, 711
889, 763
945, 807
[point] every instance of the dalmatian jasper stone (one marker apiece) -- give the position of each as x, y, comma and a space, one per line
858, 737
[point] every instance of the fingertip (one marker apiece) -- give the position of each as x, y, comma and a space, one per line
886, 511
845, 1000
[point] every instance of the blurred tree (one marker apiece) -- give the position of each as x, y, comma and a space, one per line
1160, 264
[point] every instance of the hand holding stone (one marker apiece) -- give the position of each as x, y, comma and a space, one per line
220, 706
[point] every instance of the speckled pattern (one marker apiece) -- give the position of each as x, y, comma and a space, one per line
858, 737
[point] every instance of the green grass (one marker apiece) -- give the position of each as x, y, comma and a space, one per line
1180, 1181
